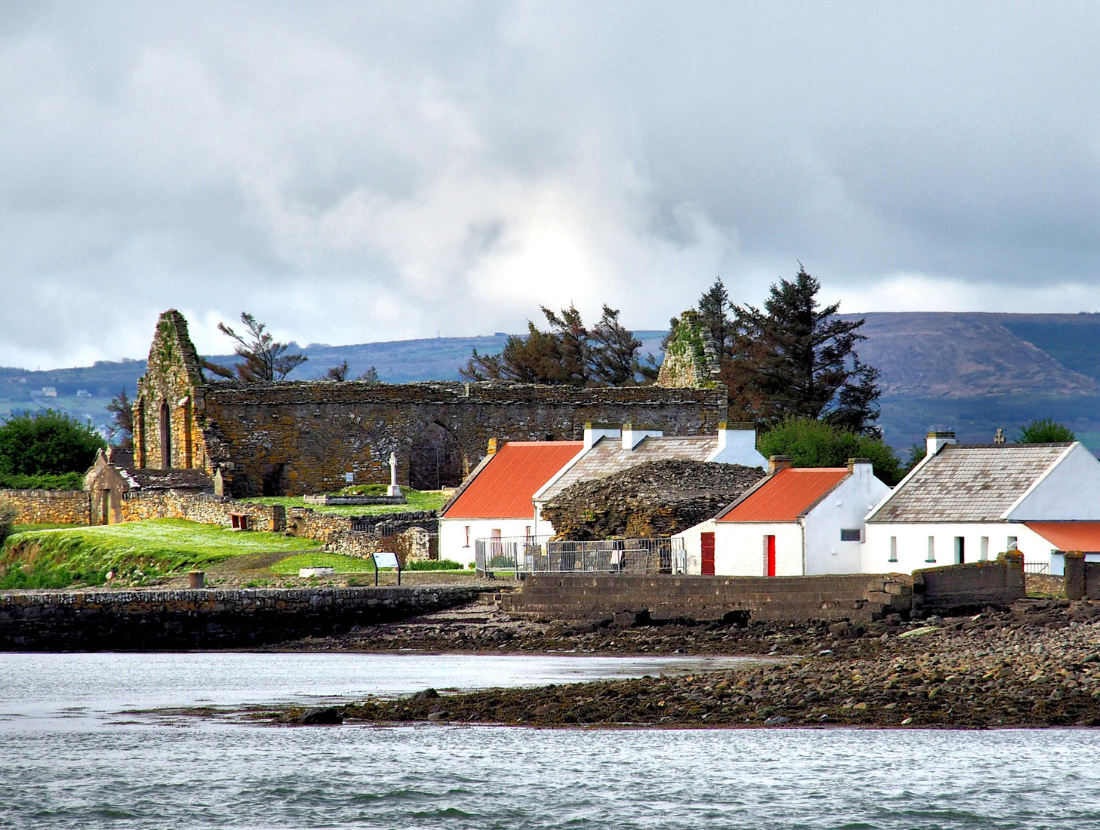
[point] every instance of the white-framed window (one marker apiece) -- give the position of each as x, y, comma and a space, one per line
984, 552
931, 549
467, 537
1011, 543
851, 534
893, 548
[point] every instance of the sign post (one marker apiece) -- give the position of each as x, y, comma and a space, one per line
385, 559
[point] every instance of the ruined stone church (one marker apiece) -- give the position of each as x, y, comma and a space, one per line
300, 437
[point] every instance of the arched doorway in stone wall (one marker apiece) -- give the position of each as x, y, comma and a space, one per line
435, 459
165, 428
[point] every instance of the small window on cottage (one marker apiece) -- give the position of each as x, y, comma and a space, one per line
983, 552
850, 534
467, 537
931, 549
1011, 543
960, 550
893, 548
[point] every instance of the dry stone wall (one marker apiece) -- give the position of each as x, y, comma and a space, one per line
165, 620
49, 506
138, 506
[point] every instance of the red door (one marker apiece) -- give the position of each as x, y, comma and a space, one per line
771, 555
708, 554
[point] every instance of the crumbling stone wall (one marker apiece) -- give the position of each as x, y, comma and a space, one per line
139, 505
656, 499
294, 438
691, 358
72, 507
411, 545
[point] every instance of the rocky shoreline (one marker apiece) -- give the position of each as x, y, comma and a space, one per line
1037, 664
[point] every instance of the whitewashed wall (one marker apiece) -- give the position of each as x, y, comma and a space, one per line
912, 544
1068, 492
452, 535
739, 547
844, 507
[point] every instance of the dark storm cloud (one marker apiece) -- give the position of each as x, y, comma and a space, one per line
354, 172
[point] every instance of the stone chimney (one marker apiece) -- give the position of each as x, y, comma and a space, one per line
777, 463
594, 432
633, 437
861, 467
492, 446
938, 439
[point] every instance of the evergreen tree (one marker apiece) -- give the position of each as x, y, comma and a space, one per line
712, 308
795, 358
614, 351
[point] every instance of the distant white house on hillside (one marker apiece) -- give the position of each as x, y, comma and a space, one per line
966, 503
795, 522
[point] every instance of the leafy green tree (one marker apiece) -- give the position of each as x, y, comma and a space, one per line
47, 443
796, 358
1045, 431
265, 359
813, 443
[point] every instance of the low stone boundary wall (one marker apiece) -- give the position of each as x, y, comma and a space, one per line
138, 505
202, 619
49, 506
955, 589
856, 597
1081, 578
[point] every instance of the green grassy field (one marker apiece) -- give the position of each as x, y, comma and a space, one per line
418, 500
135, 552
349, 564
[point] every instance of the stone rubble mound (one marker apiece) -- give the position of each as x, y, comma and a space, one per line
655, 499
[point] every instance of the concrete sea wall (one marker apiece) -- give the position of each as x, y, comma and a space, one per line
204, 619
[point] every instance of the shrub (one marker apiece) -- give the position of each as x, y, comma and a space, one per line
47, 442
812, 443
1045, 431
63, 481
433, 565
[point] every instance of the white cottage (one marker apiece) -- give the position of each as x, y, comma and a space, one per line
794, 522
966, 503
495, 500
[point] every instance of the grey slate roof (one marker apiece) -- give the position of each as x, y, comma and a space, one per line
608, 457
975, 483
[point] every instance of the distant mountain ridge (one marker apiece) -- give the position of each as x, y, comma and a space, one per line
968, 370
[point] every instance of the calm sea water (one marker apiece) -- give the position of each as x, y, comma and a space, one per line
64, 767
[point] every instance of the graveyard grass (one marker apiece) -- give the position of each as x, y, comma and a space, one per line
417, 500
135, 551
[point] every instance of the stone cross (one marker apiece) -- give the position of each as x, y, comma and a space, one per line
393, 490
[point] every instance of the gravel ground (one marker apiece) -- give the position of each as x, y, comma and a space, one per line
1037, 664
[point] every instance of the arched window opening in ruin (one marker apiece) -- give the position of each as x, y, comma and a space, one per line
142, 451
435, 459
165, 436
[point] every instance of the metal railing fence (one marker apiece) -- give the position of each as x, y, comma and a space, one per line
532, 554
1036, 567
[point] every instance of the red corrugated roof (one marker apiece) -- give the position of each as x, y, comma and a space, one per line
1069, 535
504, 487
786, 495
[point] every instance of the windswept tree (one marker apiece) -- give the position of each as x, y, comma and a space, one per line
568, 354
121, 429
713, 307
796, 358
337, 373
264, 359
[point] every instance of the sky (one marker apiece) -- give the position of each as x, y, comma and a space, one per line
364, 171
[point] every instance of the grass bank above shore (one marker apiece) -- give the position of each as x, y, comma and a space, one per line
136, 552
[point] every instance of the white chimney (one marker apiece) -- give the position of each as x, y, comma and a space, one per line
861, 468
938, 439
633, 437
737, 445
594, 432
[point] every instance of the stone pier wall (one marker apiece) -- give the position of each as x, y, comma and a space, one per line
741, 598
954, 589
203, 619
